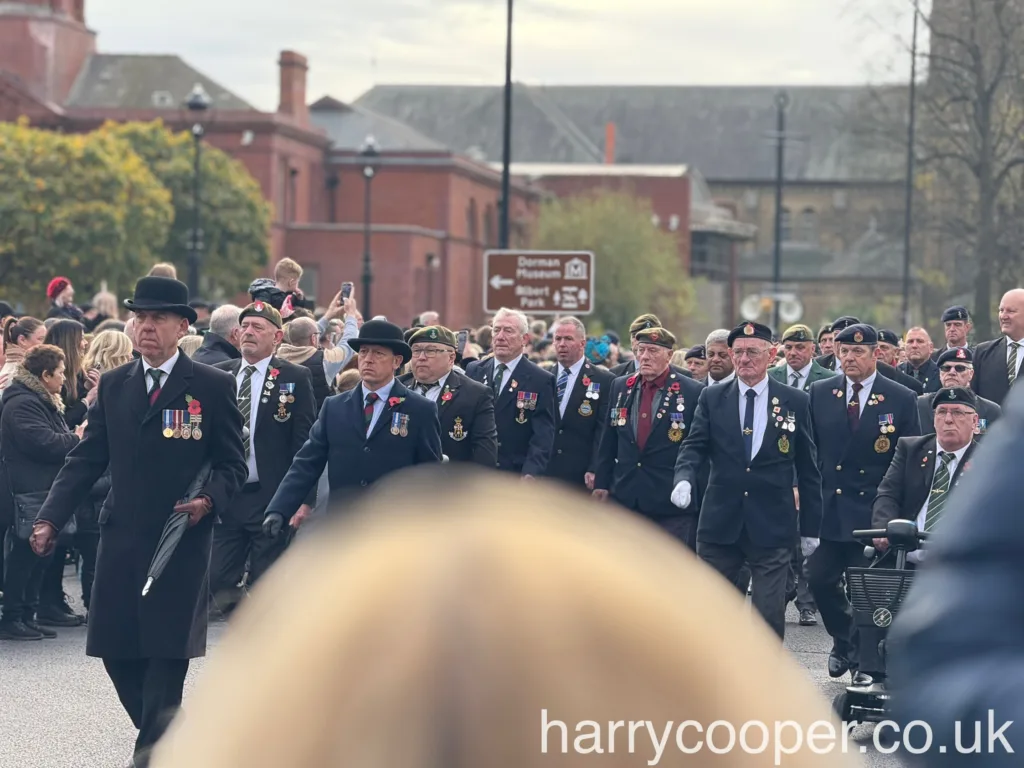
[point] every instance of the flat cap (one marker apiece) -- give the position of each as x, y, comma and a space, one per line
264, 310
798, 333
750, 331
437, 334
699, 352
844, 322
858, 334
657, 336
956, 313
644, 322
958, 355
889, 337
951, 395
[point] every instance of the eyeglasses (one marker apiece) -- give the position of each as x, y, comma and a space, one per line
959, 368
959, 415
430, 352
751, 353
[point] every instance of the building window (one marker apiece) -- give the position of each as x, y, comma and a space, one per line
786, 226
489, 226
809, 226
472, 231
310, 281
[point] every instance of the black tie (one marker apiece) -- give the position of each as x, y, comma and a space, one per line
748, 425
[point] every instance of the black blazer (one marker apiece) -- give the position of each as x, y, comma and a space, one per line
525, 436
149, 474
853, 463
465, 409
908, 482
988, 414
884, 369
578, 433
990, 374
642, 480
355, 460
927, 374
758, 495
281, 428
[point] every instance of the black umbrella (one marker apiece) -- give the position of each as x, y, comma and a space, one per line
174, 528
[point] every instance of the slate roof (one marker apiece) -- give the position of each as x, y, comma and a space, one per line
118, 81
724, 131
347, 127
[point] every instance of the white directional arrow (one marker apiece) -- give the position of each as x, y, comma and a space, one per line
558, 298
498, 282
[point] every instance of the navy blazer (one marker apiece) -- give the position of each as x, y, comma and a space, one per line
338, 440
927, 375
578, 437
637, 479
757, 495
854, 463
525, 435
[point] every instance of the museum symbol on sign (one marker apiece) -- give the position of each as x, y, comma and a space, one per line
576, 269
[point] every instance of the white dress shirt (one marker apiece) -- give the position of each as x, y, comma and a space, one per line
803, 373
922, 516
166, 367
1020, 353
507, 377
726, 380
865, 391
436, 389
760, 410
383, 394
255, 395
574, 372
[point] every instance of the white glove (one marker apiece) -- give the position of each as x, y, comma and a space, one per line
807, 546
681, 495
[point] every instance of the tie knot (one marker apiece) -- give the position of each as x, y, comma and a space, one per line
751, 394
947, 457
250, 370
155, 374
372, 398
857, 386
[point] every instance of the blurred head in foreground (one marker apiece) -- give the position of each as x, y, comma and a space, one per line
455, 629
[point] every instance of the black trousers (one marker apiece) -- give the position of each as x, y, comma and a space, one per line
798, 581
51, 591
769, 571
87, 543
825, 570
239, 539
682, 527
23, 577
150, 691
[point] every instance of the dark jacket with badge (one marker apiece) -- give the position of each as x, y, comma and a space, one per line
756, 495
884, 369
927, 375
355, 461
149, 474
578, 433
465, 410
988, 414
642, 480
525, 435
281, 428
854, 463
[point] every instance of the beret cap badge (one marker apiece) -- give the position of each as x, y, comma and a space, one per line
748, 330
858, 337
960, 354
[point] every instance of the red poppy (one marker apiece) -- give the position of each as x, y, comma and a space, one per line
631, 380
586, 381
446, 396
674, 387
194, 408
274, 372
395, 401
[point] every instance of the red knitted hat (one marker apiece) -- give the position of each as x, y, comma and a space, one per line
55, 287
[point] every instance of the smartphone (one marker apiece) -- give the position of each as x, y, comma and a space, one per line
346, 291
461, 342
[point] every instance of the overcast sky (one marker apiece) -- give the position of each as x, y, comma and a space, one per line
353, 44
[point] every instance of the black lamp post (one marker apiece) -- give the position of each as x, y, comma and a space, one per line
198, 102
370, 157
781, 104
506, 153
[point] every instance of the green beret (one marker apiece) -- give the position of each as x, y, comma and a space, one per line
435, 333
643, 323
798, 333
264, 310
657, 336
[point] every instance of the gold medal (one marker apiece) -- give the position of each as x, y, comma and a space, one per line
675, 434
882, 445
168, 432
784, 444
585, 409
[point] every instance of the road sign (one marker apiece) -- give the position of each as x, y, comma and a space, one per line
539, 282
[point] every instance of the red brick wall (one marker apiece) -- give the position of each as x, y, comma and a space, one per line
45, 53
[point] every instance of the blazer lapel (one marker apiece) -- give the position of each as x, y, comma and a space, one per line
924, 476
575, 395
138, 397
173, 388
960, 466
270, 395
508, 392
733, 425
356, 407
397, 391
452, 384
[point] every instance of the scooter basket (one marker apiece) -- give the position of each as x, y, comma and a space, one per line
877, 594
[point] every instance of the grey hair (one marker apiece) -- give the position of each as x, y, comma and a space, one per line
299, 331
575, 322
224, 320
524, 322
720, 336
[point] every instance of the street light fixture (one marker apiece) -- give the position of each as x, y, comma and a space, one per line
197, 102
370, 156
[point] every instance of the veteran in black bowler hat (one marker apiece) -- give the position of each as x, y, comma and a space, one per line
956, 369
160, 423
857, 419
364, 434
756, 433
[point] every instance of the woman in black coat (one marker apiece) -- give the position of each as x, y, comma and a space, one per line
34, 441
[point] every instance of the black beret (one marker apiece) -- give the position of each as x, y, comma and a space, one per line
958, 355
434, 333
961, 395
699, 352
261, 309
750, 331
955, 313
798, 333
844, 322
858, 334
889, 337
824, 329
657, 336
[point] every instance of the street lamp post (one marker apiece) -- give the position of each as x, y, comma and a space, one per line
781, 103
198, 102
506, 153
370, 156
908, 223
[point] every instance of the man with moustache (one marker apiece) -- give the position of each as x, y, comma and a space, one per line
582, 394
465, 407
997, 362
956, 369
364, 434
800, 370
857, 420
756, 433
524, 397
278, 408
920, 365
833, 362
650, 415
957, 327
720, 365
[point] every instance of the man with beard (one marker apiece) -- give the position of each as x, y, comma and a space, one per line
956, 369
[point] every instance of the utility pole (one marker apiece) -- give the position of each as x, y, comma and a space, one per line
781, 103
908, 207
507, 139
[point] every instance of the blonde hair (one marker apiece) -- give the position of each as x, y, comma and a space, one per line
108, 350
348, 379
287, 269
679, 358
189, 344
472, 621
105, 303
164, 269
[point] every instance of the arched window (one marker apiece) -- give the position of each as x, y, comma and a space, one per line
809, 226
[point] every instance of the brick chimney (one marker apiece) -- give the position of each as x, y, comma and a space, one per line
293, 86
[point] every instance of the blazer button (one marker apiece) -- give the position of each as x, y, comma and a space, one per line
639, 464
839, 491
748, 469
561, 431
362, 483
366, 449
862, 493
559, 451
862, 471
839, 468
746, 493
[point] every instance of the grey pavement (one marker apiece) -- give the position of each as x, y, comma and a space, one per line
58, 710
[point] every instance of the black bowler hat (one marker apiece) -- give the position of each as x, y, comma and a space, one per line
750, 331
381, 333
958, 355
888, 337
858, 334
156, 293
699, 352
951, 395
955, 313
843, 323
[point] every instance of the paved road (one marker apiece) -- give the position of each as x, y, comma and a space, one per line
58, 710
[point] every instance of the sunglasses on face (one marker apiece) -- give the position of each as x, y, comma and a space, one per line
957, 368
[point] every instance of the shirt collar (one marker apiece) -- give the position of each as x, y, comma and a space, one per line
383, 393
758, 388
166, 367
575, 368
1010, 341
864, 384
804, 372
510, 366
959, 454
261, 366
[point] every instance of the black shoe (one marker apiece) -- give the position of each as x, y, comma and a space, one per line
837, 665
16, 630
51, 616
807, 618
47, 634
64, 606
860, 678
